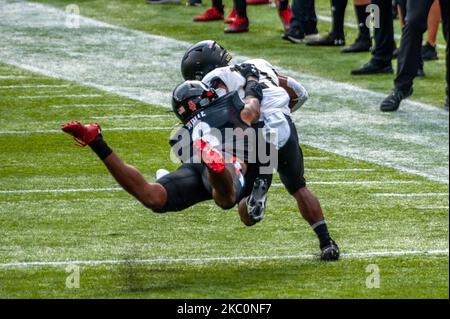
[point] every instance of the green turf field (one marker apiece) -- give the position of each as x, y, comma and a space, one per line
59, 206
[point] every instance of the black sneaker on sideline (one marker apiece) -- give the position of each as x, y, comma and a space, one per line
162, 1
329, 39
392, 102
294, 35
429, 52
362, 44
330, 252
373, 67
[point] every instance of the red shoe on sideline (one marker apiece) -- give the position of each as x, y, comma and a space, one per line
210, 156
255, 2
231, 17
212, 14
82, 134
285, 16
238, 25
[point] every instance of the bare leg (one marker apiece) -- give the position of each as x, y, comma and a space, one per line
309, 206
224, 192
434, 19
151, 195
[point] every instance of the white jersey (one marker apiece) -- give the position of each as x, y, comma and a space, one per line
274, 105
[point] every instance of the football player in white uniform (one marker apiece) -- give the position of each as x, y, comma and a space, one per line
209, 62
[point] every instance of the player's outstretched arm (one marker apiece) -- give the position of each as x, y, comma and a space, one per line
151, 195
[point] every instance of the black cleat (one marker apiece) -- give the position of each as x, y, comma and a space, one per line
373, 67
256, 203
429, 52
294, 35
362, 44
330, 252
392, 102
330, 39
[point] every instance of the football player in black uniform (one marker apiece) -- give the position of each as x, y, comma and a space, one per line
207, 56
217, 174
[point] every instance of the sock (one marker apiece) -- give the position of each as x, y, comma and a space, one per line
241, 8
283, 5
338, 11
321, 230
218, 5
362, 15
100, 147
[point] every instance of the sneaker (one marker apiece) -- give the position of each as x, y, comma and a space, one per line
329, 39
429, 52
373, 67
285, 16
330, 252
230, 19
256, 2
212, 14
211, 157
256, 202
162, 1
82, 134
294, 35
312, 36
194, 3
362, 44
239, 25
392, 102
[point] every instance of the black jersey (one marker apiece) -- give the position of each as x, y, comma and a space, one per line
220, 124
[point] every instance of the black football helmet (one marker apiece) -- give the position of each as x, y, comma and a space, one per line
189, 97
202, 58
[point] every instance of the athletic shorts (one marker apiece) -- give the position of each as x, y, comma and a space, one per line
290, 162
189, 185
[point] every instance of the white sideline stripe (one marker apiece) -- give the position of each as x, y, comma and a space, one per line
134, 116
432, 207
31, 97
219, 259
88, 105
354, 183
153, 128
409, 195
354, 26
30, 86
331, 170
339, 117
101, 189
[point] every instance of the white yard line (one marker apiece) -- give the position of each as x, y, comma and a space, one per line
89, 105
32, 86
101, 189
112, 129
355, 255
431, 207
316, 158
353, 183
14, 77
408, 194
133, 116
339, 117
354, 26
337, 170
71, 96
